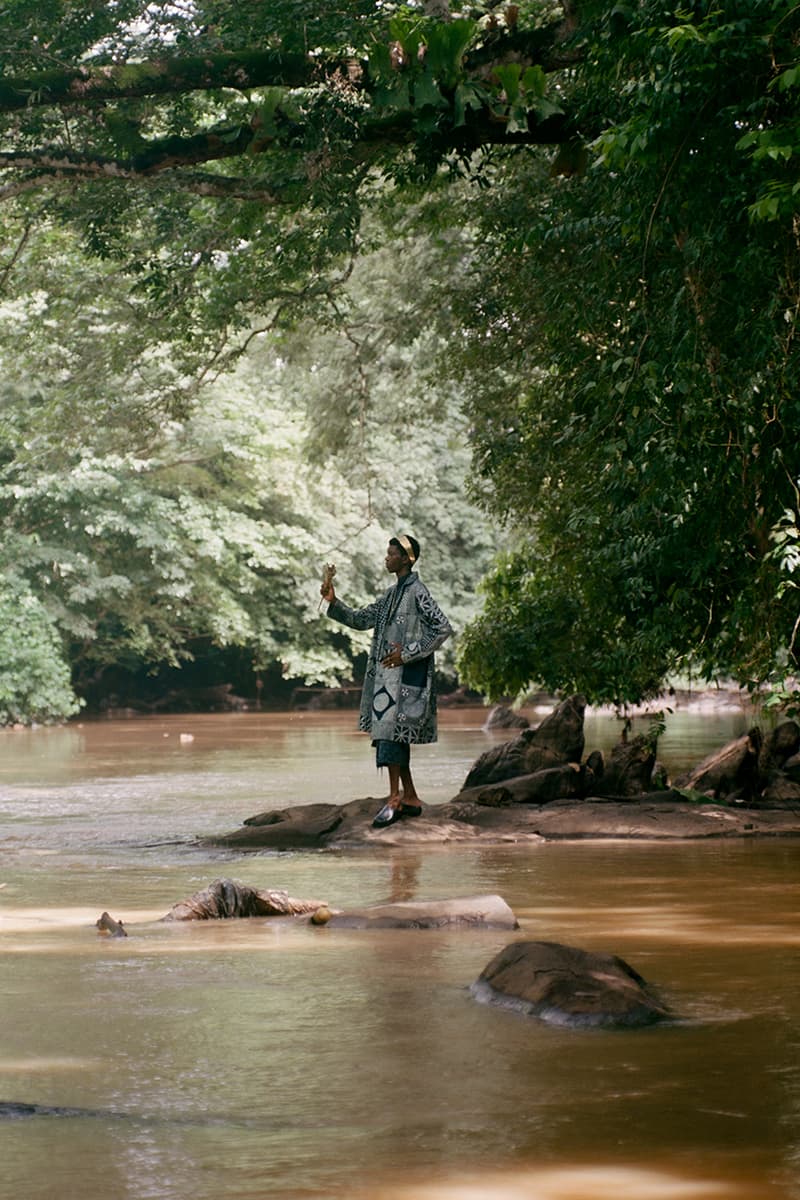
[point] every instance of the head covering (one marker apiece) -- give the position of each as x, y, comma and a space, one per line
409, 544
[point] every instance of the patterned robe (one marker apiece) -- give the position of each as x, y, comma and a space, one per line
399, 703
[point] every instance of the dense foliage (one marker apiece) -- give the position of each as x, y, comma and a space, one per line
591, 211
139, 540
640, 427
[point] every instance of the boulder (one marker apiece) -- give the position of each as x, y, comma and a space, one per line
564, 985
629, 769
541, 787
305, 825
779, 746
503, 717
792, 768
781, 792
473, 912
731, 771
562, 731
559, 739
227, 898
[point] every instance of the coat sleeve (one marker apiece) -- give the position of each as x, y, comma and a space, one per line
434, 625
355, 618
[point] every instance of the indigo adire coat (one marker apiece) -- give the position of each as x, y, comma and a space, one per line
399, 703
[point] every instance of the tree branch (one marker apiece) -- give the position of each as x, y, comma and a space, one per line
241, 70
480, 128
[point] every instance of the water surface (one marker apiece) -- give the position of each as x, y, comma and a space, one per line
266, 1059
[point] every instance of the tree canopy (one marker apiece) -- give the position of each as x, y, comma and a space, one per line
142, 541
607, 199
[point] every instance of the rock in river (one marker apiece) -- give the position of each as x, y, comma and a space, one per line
564, 985
471, 912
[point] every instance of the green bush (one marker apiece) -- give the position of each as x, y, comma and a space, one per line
34, 676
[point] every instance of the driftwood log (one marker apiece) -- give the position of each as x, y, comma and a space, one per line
226, 898
730, 771
467, 912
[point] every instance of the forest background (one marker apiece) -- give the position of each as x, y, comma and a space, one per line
278, 280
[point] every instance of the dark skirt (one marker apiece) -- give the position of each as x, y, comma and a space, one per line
391, 754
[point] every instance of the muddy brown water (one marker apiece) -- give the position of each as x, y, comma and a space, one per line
258, 1059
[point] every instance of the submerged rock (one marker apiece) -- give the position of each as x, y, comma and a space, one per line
18, 1110
564, 985
108, 926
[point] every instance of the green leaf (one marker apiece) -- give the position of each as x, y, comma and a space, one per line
446, 44
508, 80
517, 117
466, 96
426, 92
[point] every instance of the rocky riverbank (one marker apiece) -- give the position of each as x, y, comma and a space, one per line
540, 785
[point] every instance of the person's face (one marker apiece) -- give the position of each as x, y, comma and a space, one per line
396, 559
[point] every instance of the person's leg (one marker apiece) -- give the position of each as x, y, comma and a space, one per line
410, 805
395, 775
409, 791
396, 757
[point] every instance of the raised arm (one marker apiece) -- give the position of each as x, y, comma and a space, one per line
355, 618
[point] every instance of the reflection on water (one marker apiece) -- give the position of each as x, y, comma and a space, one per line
271, 1059
573, 1183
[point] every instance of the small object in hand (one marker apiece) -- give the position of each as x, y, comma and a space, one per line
328, 572
107, 924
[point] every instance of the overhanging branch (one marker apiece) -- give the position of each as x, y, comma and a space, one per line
175, 154
241, 70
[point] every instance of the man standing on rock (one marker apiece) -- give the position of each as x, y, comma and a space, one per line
398, 700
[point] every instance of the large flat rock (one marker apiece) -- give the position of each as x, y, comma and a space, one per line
466, 820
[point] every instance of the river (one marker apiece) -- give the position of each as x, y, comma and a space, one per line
260, 1059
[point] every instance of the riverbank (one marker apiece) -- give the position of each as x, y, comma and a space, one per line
538, 784
660, 816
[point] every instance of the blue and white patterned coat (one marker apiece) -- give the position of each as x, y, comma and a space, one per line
399, 703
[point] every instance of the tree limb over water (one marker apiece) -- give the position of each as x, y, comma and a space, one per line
453, 85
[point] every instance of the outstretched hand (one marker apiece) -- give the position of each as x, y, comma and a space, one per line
327, 593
